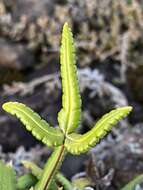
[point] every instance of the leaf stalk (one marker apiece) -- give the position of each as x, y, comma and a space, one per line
51, 167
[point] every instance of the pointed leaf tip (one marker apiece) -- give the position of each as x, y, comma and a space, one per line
66, 25
126, 108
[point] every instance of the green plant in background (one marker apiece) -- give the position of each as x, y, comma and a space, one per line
133, 183
7, 177
62, 139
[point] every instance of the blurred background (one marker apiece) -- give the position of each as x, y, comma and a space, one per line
109, 41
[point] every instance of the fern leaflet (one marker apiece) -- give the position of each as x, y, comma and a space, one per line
33, 122
77, 143
69, 115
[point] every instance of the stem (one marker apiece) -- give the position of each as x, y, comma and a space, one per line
51, 167
64, 181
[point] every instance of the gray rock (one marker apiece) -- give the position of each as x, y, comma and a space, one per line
15, 56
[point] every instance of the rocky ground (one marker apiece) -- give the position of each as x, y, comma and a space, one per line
108, 36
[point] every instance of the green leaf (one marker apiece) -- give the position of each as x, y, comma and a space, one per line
32, 121
132, 184
35, 170
69, 116
77, 143
64, 182
7, 177
26, 181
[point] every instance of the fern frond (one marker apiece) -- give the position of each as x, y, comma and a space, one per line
33, 122
77, 143
69, 116
7, 177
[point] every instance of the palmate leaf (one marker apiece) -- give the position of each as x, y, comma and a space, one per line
69, 116
33, 122
7, 177
76, 143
